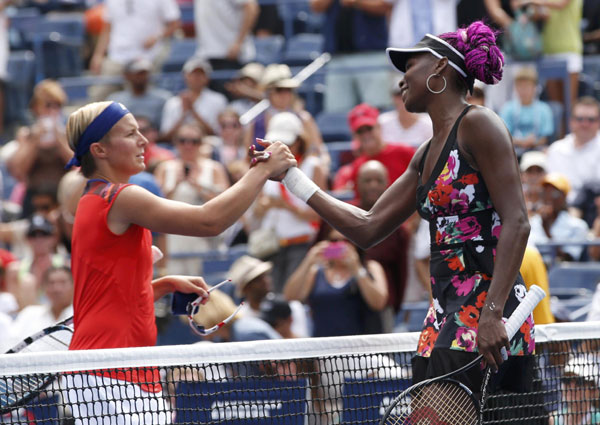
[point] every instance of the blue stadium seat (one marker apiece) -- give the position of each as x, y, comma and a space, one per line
334, 126
269, 49
301, 49
171, 81
297, 16
340, 153
412, 316
557, 114
77, 87
181, 50
21, 74
22, 21
574, 275
591, 66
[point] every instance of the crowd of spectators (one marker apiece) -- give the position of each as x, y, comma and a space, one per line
307, 275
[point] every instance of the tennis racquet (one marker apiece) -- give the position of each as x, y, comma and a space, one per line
445, 401
16, 391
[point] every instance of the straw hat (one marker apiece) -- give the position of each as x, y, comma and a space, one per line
245, 269
278, 76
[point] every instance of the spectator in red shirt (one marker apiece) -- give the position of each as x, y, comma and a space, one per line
362, 120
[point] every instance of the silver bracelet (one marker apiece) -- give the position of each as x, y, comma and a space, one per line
491, 305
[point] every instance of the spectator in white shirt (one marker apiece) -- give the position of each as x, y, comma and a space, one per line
577, 155
554, 223
134, 29
197, 104
57, 285
402, 127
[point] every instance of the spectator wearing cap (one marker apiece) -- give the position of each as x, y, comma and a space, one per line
57, 289
580, 384
276, 311
224, 31
193, 179
363, 121
245, 87
533, 169
280, 91
356, 35
529, 120
133, 29
553, 222
254, 283
197, 104
288, 216
139, 96
577, 155
399, 126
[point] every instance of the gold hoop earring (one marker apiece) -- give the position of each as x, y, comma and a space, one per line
433, 91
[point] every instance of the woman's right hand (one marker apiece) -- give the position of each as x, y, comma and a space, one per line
277, 158
315, 254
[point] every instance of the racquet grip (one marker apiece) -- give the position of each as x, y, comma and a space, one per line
523, 310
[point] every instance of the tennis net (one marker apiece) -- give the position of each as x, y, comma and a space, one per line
348, 380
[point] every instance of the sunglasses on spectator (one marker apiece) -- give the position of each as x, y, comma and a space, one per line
194, 307
38, 234
188, 140
282, 89
581, 118
364, 129
42, 207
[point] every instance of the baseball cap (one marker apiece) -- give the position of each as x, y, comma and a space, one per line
197, 62
558, 181
273, 308
533, 159
139, 65
285, 127
278, 76
39, 223
362, 115
245, 269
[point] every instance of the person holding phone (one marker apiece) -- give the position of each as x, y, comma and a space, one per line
344, 291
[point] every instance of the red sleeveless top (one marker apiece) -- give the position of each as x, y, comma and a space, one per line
113, 299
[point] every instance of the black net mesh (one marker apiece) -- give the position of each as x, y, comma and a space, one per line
332, 389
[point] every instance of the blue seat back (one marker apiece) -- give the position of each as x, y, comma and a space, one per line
269, 49
334, 126
575, 275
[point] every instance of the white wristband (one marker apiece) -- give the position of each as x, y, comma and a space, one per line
296, 182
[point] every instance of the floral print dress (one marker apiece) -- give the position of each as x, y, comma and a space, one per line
464, 229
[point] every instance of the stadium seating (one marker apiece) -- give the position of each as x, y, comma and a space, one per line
557, 115
77, 87
334, 126
269, 49
340, 153
411, 317
301, 49
181, 50
21, 73
572, 275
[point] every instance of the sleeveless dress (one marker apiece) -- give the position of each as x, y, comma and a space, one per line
464, 229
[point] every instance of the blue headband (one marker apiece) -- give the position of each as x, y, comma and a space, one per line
97, 130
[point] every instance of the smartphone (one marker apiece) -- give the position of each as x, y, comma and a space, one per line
334, 251
180, 301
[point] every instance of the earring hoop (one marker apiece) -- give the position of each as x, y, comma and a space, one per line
433, 91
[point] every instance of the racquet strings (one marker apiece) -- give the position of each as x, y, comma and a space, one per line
58, 340
436, 403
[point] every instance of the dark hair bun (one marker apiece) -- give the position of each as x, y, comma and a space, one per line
483, 58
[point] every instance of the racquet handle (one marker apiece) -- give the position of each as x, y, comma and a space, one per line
523, 310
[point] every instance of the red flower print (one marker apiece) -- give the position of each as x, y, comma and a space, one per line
468, 179
440, 195
455, 263
427, 341
481, 300
469, 316
468, 227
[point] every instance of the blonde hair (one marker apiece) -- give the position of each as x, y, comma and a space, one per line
219, 306
77, 123
48, 90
